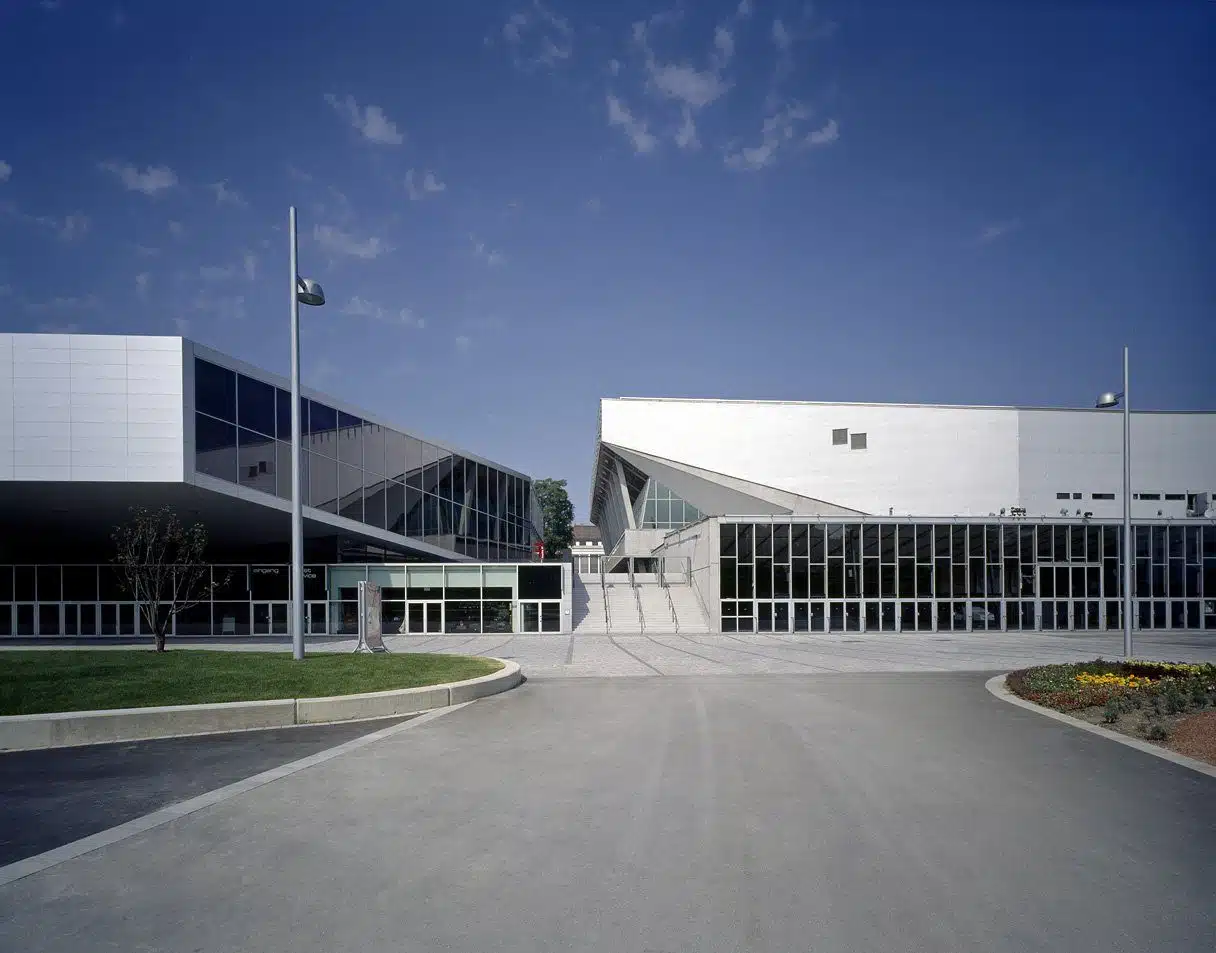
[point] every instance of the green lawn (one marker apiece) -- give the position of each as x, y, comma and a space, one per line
43, 681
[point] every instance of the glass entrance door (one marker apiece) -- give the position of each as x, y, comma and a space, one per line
270, 618
529, 613
424, 617
781, 616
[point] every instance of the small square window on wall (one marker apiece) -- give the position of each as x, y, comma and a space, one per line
1076, 496
840, 438
857, 441
1150, 496
1063, 496
1175, 496
1102, 496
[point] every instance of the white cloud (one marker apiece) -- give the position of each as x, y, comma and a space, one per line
538, 37
74, 227
429, 185
362, 308
65, 303
142, 281
825, 135
231, 308
6, 171
998, 230
146, 251
250, 262
463, 342
50, 4
298, 174
777, 131
371, 122
225, 195
152, 180
216, 272
614, 67
343, 243
177, 229
781, 36
594, 205
635, 129
488, 255
686, 135
692, 87
724, 44
182, 325
744, 10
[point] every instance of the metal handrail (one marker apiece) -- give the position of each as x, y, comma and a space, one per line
637, 598
604, 591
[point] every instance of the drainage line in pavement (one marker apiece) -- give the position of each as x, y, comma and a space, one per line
636, 658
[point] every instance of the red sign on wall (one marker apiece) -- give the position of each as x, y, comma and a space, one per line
538, 548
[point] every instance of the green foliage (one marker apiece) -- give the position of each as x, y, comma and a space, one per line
558, 513
44, 681
1110, 714
1157, 732
1173, 690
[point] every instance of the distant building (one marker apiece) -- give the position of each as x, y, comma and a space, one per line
586, 551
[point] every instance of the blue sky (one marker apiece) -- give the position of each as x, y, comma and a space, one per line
517, 208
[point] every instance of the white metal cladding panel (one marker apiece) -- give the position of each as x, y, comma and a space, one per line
920, 460
90, 407
1082, 452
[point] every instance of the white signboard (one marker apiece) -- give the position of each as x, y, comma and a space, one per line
370, 636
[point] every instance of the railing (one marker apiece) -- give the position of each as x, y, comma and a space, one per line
607, 614
637, 598
675, 619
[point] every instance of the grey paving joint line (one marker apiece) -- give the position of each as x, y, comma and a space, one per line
69, 729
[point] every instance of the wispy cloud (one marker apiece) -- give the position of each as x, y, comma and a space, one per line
780, 131
216, 272
594, 205
64, 303
335, 240
299, 175
370, 121
223, 308
538, 37
6, 171
686, 135
225, 195
182, 325
998, 230
66, 229
429, 185
463, 342
744, 10
488, 255
50, 5
781, 37
724, 46
151, 181
74, 227
362, 308
146, 251
142, 283
250, 262
619, 115
177, 229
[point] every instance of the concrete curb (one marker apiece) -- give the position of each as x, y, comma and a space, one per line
70, 729
996, 685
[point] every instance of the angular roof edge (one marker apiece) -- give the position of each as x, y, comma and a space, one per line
861, 403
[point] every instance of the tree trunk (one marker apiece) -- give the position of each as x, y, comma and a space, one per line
160, 641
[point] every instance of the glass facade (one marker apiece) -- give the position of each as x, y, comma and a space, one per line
357, 469
663, 509
89, 600
905, 576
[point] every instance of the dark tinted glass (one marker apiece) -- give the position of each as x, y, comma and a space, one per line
540, 582
215, 447
321, 418
257, 461
322, 483
283, 414
395, 507
256, 405
350, 439
350, 491
394, 454
214, 390
373, 447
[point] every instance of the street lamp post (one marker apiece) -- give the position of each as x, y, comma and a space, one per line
303, 291
1113, 400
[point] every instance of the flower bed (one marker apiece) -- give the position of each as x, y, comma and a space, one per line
1138, 698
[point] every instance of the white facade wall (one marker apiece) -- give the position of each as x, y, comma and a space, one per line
91, 408
927, 460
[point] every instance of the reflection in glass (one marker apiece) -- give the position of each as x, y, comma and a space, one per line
215, 448
256, 460
322, 483
214, 390
256, 405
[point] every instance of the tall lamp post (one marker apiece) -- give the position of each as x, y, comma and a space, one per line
1113, 400
303, 291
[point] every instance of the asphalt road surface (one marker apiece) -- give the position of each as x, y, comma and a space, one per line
862, 812
50, 798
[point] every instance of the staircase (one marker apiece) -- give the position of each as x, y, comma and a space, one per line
689, 615
623, 608
656, 610
587, 607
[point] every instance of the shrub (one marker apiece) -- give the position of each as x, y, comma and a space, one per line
1157, 732
1112, 711
1199, 693
1175, 700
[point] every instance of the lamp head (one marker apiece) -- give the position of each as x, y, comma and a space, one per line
1108, 400
309, 292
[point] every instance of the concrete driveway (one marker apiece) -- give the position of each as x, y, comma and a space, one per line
863, 812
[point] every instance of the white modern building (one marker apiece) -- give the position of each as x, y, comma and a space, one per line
92, 425
809, 516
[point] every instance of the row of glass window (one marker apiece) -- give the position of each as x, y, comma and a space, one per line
958, 616
664, 509
925, 542
907, 579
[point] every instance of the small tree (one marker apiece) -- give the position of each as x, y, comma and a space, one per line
160, 565
558, 513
